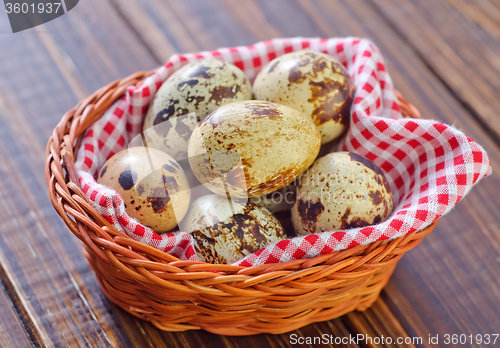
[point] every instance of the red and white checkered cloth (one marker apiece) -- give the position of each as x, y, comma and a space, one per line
429, 165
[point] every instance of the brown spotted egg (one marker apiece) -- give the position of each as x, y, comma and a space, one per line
152, 185
313, 83
199, 87
339, 191
225, 231
257, 147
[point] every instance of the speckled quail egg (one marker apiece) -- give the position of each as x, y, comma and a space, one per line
339, 191
199, 87
270, 144
313, 83
281, 200
152, 185
225, 231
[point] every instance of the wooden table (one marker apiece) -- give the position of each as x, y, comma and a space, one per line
444, 56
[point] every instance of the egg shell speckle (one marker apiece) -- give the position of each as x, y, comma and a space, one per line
199, 87
339, 191
313, 83
271, 144
223, 237
157, 197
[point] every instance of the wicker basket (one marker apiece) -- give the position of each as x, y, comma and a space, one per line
180, 295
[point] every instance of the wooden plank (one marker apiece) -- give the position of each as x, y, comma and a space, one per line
380, 333
204, 339
112, 52
460, 41
193, 25
439, 271
66, 306
13, 332
435, 287
250, 15
44, 72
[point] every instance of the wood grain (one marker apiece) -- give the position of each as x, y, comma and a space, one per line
434, 307
44, 72
52, 298
369, 323
69, 309
157, 338
13, 332
459, 41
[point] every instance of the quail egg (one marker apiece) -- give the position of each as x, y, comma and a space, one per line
190, 94
341, 190
152, 185
313, 83
257, 147
225, 231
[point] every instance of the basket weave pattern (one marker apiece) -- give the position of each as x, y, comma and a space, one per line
180, 295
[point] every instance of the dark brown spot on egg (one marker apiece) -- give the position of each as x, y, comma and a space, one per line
164, 115
265, 109
236, 178
332, 99
138, 208
203, 237
205, 248
386, 207
182, 129
140, 189
376, 197
190, 83
127, 179
345, 110
222, 92
243, 231
200, 71
132, 202
170, 183
354, 223
169, 168
274, 184
379, 176
386, 184
217, 229
329, 98
365, 161
173, 163
381, 179
159, 199
316, 63
272, 66
182, 112
309, 213
103, 171
167, 112
295, 75
196, 99
247, 230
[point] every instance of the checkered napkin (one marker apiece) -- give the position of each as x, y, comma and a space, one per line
430, 166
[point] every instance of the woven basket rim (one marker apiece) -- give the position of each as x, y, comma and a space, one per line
215, 297
67, 137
